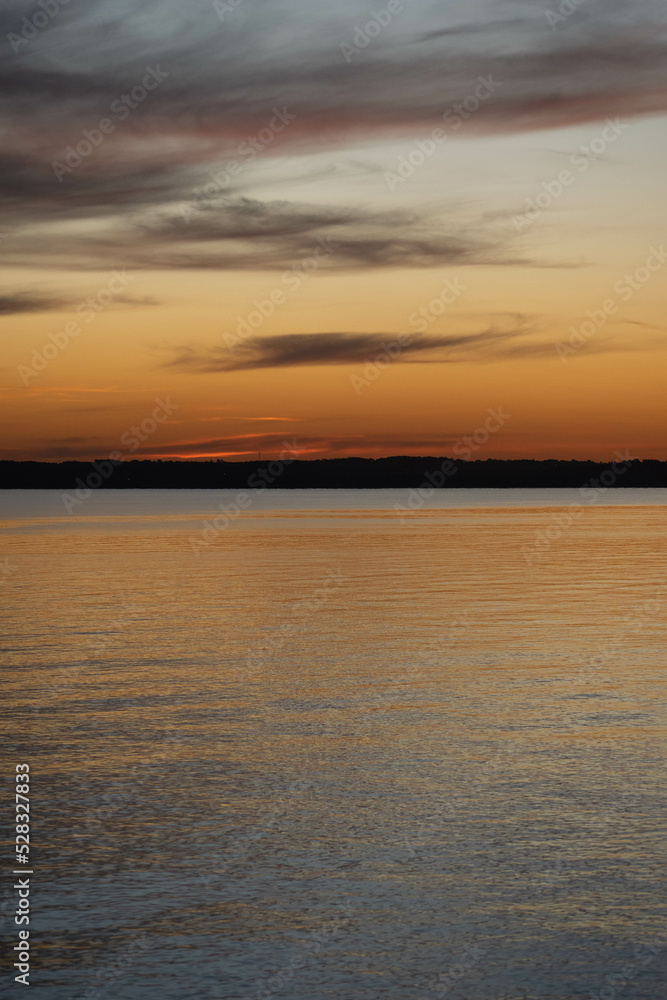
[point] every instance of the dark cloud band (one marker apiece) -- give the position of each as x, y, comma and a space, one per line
271, 76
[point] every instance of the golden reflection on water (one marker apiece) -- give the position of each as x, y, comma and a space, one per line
328, 708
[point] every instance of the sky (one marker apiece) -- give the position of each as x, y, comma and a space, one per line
231, 228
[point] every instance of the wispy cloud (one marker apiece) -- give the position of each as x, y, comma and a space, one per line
308, 349
507, 337
249, 234
13, 303
247, 446
287, 52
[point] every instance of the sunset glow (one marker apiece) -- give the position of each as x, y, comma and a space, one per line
247, 229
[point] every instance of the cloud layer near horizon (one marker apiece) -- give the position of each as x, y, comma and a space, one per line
241, 446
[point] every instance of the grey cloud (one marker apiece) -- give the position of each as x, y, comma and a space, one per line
296, 350
248, 234
13, 303
508, 337
225, 77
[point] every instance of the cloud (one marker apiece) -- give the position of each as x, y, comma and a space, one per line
13, 303
508, 337
289, 52
249, 234
16, 303
247, 446
271, 420
224, 78
316, 349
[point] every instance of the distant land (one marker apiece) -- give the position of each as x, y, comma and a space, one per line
400, 472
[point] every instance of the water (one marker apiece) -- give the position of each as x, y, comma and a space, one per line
328, 749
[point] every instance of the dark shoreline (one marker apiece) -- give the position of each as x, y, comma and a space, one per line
401, 472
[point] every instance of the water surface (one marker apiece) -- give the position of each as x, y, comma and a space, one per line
328, 749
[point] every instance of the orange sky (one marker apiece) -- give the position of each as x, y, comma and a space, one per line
267, 305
